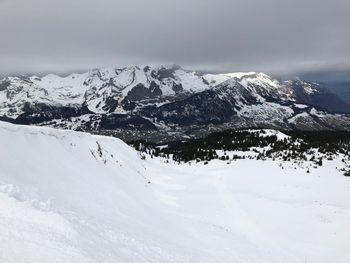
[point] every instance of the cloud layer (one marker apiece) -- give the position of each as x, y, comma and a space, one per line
222, 35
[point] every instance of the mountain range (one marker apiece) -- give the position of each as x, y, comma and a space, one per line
169, 102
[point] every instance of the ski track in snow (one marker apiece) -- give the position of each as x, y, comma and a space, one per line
73, 197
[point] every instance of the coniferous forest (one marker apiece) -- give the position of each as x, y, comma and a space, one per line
314, 146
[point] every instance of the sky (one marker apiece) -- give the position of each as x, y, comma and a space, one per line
272, 36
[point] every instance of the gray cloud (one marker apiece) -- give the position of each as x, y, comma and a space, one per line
222, 35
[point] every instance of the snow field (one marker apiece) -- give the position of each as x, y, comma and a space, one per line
74, 197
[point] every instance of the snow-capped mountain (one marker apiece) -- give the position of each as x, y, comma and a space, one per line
100, 90
157, 101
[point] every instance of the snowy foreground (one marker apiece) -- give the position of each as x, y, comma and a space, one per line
73, 197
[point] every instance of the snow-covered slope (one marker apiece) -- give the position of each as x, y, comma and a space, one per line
71, 197
74, 197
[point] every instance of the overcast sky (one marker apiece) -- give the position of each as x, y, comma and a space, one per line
273, 36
